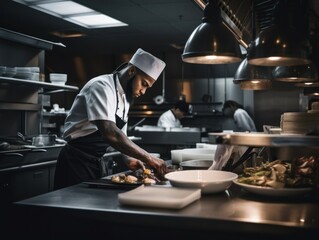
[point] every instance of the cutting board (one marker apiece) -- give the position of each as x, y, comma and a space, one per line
161, 197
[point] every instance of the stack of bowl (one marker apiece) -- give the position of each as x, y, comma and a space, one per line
182, 155
58, 78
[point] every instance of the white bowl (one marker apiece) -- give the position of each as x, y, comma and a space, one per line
181, 155
209, 181
58, 78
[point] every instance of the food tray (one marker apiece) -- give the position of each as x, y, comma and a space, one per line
108, 183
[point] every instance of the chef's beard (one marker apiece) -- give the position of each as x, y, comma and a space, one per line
129, 90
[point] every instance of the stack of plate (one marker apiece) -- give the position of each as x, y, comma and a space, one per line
31, 73
299, 122
2, 70
9, 72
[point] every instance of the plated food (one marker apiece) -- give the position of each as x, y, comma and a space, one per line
279, 178
144, 177
280, 174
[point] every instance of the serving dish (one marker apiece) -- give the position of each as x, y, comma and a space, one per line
109, 184
274, 192
209, 181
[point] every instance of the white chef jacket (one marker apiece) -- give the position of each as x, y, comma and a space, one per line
243, 121
96, 101
167, 119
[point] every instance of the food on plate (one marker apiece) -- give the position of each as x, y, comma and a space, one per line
145, 176
149, 181
280, 174
131, 179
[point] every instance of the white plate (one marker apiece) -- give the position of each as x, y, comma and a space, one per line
161, 197
275, 192
33, 146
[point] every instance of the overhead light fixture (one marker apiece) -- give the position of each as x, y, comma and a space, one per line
211, 42
252, 77
68, 34
279, 44
307, 84
73, 12
301, 73
311, 91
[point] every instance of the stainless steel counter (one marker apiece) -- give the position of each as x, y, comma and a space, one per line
87, 212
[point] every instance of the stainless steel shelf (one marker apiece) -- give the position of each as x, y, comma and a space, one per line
264, 140
37, 84
20, 106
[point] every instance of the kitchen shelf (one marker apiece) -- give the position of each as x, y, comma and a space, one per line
37, 84
28, 40
20, 106
264, 140
51, 114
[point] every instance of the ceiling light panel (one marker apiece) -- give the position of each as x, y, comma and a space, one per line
73, 12
96, 20
65, 8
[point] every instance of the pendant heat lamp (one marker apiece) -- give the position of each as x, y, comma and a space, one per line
311, 91
252, 77
280, 44
296, 74
212, 42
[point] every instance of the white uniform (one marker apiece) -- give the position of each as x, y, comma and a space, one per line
243, 121
167, 119
96, 101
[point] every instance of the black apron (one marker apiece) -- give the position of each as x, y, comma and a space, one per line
81, 159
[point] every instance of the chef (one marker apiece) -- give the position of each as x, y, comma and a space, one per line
171, 118
243, 123
242, 120
97, 121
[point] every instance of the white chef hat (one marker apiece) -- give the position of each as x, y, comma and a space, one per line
148, 63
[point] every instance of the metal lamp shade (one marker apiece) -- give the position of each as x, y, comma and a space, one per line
307, 84
301, 73
311, 91
253, 77
276, 46
211, 42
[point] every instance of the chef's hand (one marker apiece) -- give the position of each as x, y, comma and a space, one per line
159, 167
134, 164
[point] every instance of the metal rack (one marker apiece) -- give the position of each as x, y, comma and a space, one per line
264, 140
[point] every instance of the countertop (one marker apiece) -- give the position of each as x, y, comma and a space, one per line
81, 209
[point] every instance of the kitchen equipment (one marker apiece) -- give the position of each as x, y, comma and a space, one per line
160, 99
275, 192
198, 164
209, 181
180, 155
44, 140
161, 197
58, 78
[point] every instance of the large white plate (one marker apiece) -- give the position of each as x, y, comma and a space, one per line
275, 192
162, 197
